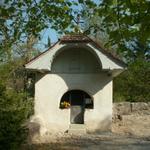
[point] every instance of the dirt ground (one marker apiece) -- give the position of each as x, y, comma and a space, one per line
130, 131
107, 141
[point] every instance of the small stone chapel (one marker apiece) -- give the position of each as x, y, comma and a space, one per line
74, 86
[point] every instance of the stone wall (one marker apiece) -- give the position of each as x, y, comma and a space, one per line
127, 108
131, 118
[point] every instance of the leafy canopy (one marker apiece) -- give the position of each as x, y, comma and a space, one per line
127, 23
21, 19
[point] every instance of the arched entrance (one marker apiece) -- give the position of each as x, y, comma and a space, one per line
77, 101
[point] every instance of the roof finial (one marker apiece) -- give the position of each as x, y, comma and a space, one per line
78, 22
78, 19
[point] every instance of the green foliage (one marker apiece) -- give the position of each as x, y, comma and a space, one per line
15, 109
33, 16
21, 19
134, 84
125, 23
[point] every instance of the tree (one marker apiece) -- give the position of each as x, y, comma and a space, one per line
21, 19
126, 22
48, 42
15, 104
15, 109
133, 85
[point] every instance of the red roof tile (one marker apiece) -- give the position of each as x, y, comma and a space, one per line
75, 38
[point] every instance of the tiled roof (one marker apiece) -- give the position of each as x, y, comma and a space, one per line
75, 38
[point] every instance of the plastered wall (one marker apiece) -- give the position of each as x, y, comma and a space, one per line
49, 89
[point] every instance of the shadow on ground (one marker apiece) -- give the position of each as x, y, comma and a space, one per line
93, 142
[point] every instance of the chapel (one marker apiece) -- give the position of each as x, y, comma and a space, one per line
74, 86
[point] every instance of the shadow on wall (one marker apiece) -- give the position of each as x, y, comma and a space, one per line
75, 60
79, 69
79, 119
102, 126
90, 83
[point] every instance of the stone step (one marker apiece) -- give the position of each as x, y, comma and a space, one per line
77, 129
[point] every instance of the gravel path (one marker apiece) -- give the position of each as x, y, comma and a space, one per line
94, 142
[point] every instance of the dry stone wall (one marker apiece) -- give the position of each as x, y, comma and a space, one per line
131, 118
127, 108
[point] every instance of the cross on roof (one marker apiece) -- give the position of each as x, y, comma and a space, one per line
78, 21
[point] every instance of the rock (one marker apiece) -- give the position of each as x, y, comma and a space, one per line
122, 108
148, 104
139, 106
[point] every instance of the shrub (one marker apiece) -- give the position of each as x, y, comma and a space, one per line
134, 84
15, 109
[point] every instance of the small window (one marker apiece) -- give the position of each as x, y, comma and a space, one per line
76, 97
88, 103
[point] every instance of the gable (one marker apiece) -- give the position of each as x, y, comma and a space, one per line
45, 60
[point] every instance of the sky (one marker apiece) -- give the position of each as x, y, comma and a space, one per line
54, 36
44, 36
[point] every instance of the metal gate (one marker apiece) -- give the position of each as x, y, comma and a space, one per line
77, 114
77, 107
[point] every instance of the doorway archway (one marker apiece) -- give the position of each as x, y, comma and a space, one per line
77, 101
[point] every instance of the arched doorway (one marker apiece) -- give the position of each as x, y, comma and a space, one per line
77, 101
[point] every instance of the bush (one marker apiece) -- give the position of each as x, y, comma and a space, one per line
134, 84
15, 109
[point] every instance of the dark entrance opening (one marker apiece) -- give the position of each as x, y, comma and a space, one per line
77, 101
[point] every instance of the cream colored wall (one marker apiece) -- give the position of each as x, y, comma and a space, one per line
44, 62
49, 89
